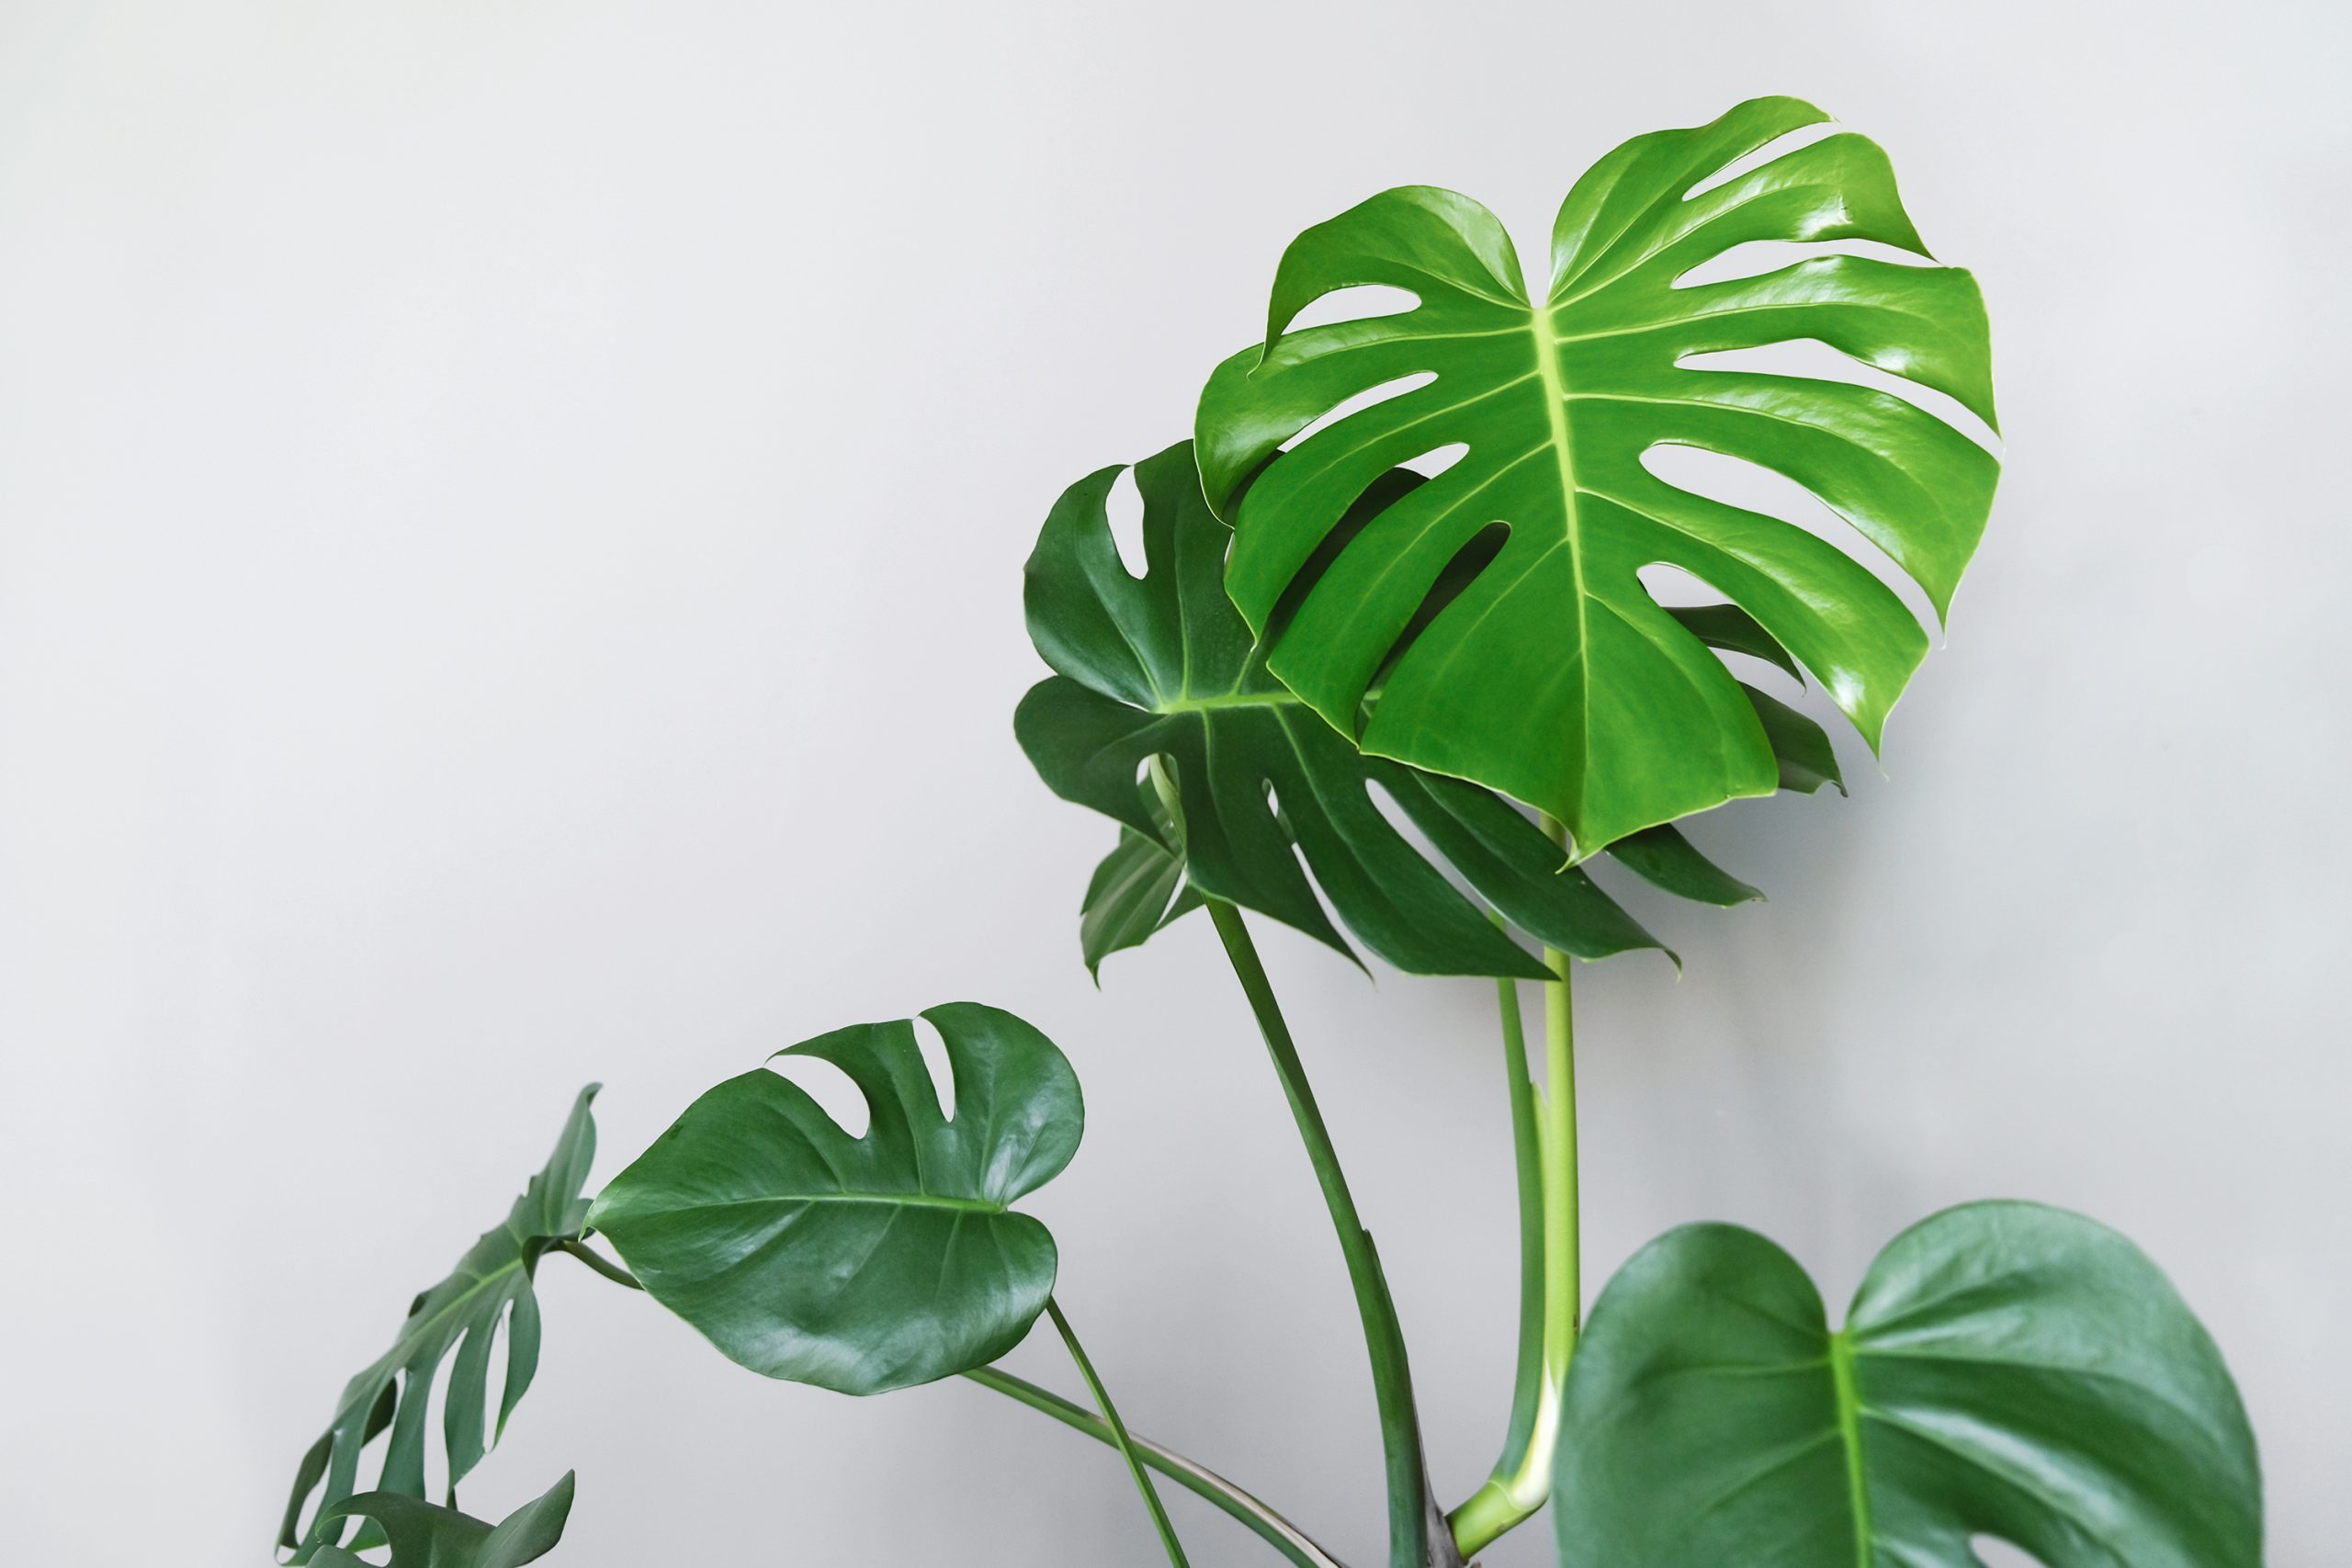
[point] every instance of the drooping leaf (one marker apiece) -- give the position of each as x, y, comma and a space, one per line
464, 1314
1163, 667
2006, 1370
1138, 889
424, 1536
1663, 857
869, 1263
1553, 676
1800, 751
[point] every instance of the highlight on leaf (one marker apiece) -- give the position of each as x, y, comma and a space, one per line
1552, 674
457, 1321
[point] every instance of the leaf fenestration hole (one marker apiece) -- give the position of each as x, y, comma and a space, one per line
1816, 360
1123, 507
1436, 460
1736, 481
1779, 146
1475, 555
1394, 815
1368, 398
1754, 258
934, 1057
835, 1092
436, 1397
1674, 588
1994, 1552
1363, 302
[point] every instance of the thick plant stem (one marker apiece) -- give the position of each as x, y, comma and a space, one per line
1198, 1479
1119, 1435
1550, 1249
1411, 1523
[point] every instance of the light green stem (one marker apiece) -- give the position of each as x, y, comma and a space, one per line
1198, 1479
1410, 1522
1550, 1250
1119, 1434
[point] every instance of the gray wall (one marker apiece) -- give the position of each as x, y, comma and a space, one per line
512, 520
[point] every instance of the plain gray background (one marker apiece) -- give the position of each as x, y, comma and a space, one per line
512, 518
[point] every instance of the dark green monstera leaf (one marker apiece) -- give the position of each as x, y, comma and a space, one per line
1162, 667
424, 1536
464, 1314
1552, 675
2006, 1370
859, 1264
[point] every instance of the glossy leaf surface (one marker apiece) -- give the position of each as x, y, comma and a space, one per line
424, 1536
2006, 1370
859, 1264
1163, 667
1552, 675
457, 1321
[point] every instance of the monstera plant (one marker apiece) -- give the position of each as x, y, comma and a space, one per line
1396, 673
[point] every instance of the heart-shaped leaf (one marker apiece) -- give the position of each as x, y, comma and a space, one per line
1162, 667
859, 1264
490, 1287
2006, 1370
1552, 675
424, 1536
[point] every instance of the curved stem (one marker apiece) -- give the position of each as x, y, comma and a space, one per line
1198, 1479
1119, 1434
599, 1263
1521, 1478
1550, 1248
1413, 1531
1277, 1532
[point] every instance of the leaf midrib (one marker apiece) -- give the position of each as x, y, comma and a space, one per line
1189, 703
1849, 1432
1555, 410
414, 1337
896, 1200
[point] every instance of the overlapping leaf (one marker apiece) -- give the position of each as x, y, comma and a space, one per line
859, 1264
1552, 675
1163, 667
464, 1314
424, 1536
2006, 1370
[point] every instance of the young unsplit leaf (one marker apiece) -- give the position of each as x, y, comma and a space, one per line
464, 1312
2006, 1370
1552, 675
424, 1536
1163, 667
859, 1264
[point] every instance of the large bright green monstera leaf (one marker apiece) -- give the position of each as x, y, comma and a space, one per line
1163, 668
424, 1536
859, 1264
490, 1290
1553, 676
2006, 1370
